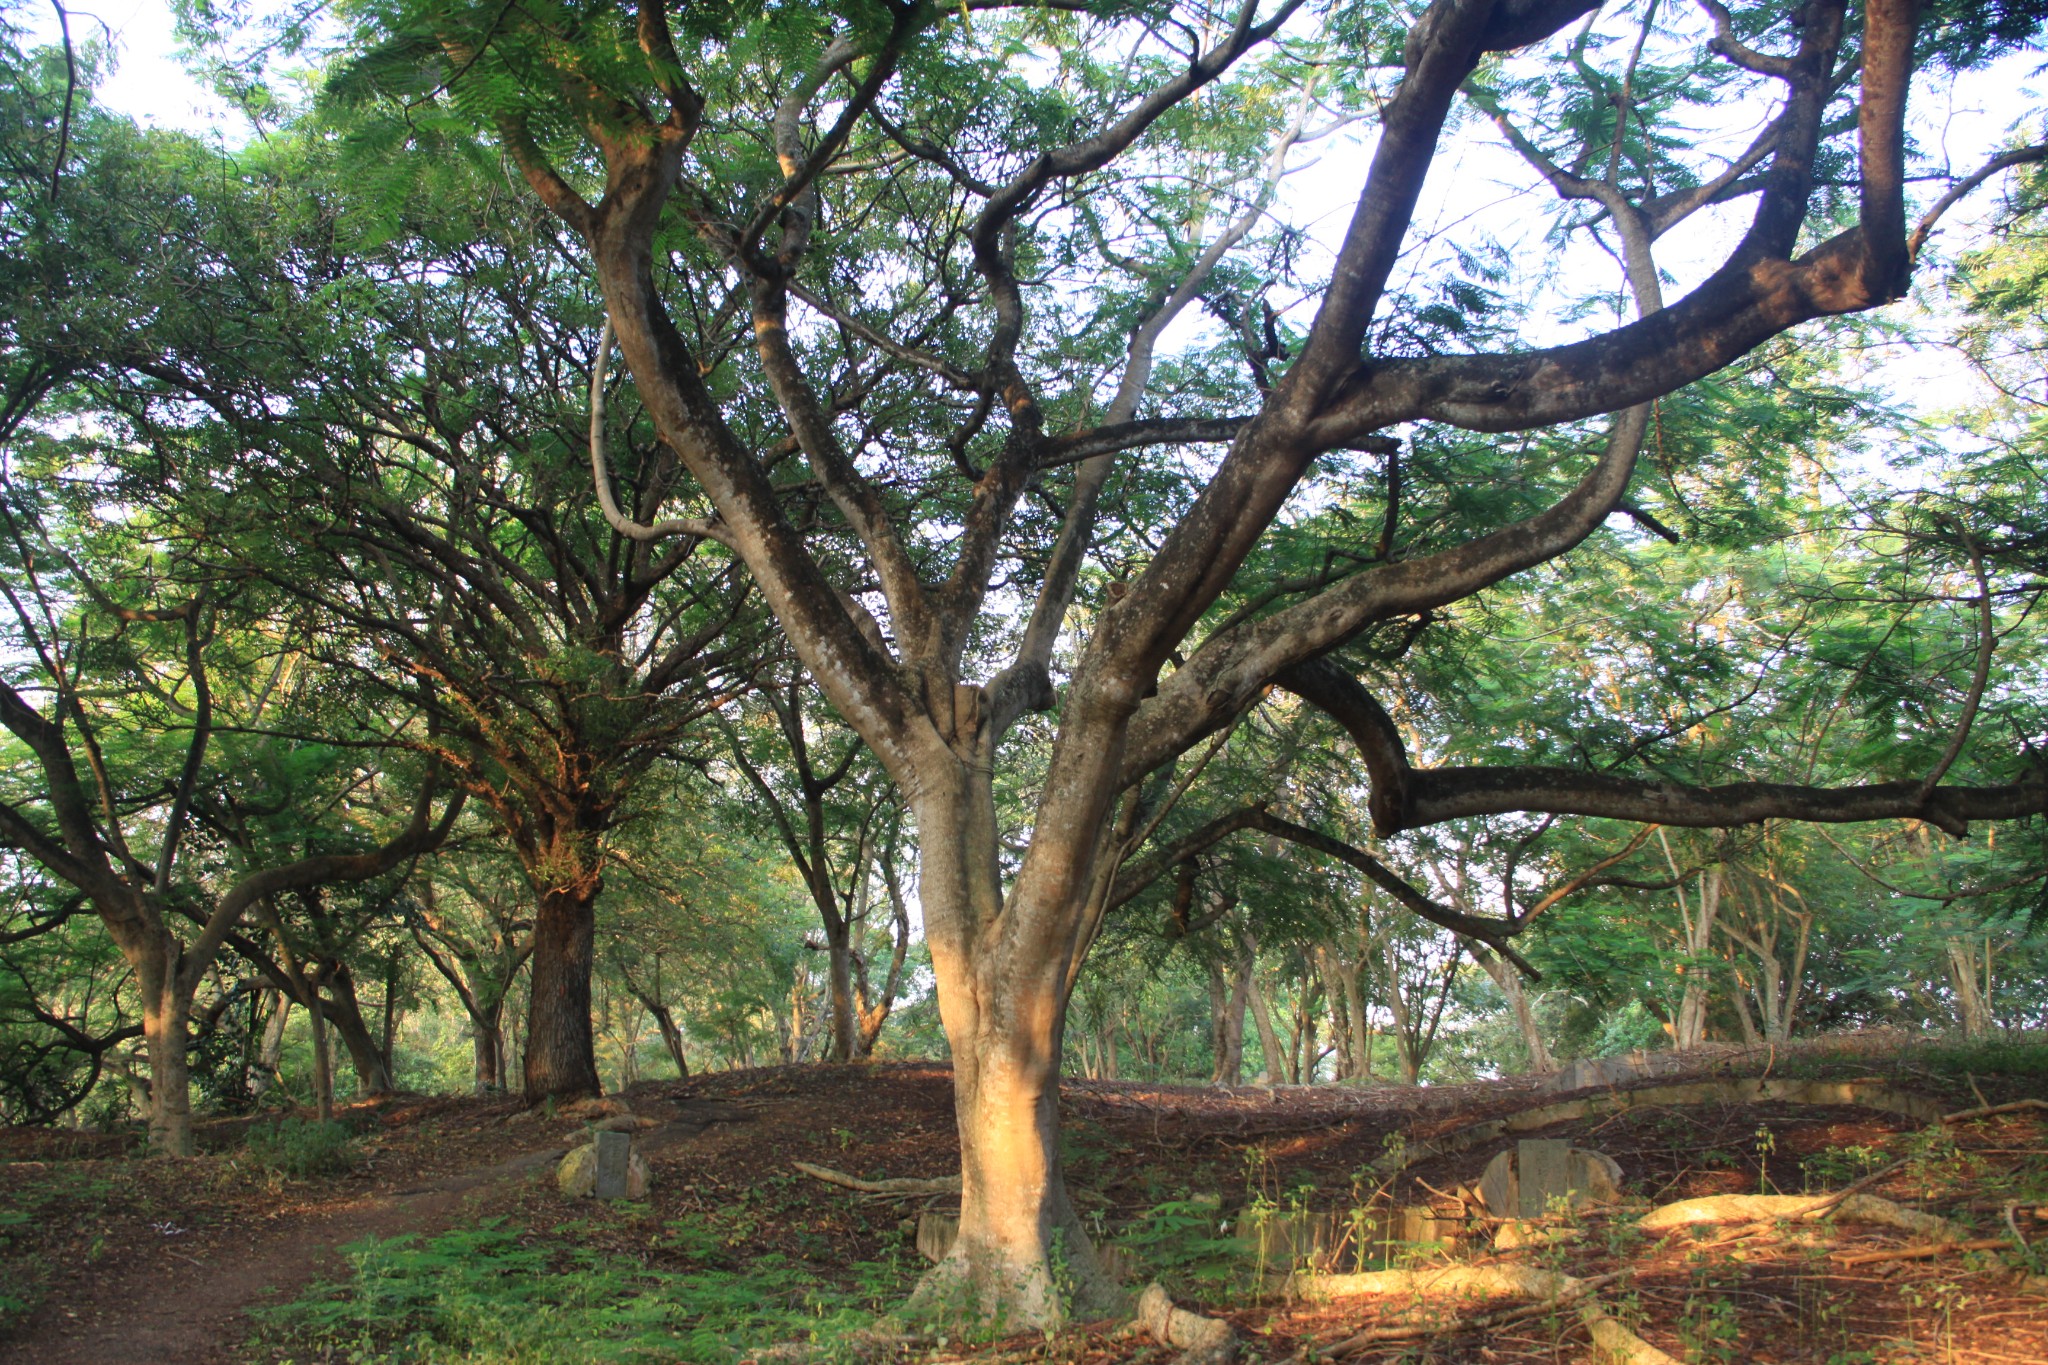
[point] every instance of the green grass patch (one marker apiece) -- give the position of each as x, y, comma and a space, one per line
493, 1294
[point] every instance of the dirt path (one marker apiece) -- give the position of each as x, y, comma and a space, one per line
189, 1308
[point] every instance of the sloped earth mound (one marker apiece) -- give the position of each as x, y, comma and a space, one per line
463, 1250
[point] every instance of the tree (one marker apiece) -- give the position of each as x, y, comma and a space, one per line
906, 263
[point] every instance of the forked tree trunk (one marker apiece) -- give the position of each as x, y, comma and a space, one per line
1022, 1259
561, 1056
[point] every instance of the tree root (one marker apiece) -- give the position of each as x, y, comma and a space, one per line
1202, 1341
1545, 1288
899, 1189
1755, 1208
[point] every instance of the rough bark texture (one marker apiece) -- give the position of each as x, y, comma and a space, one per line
561, 1057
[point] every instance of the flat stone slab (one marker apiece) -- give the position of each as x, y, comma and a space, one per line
1522, 1183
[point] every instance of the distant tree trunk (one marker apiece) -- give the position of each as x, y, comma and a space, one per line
487, 1036
671, 1038
323, 1058
1405, 1050
839, 978
875, 1009
1972, 991
1509, 981
387, 1040
1743, 1018
561, 1054
1331, 967
1228, 995
344, 1012
1689, 1028
1269, 1041
262, 1072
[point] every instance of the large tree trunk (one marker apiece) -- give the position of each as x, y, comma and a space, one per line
1021, 1250
166, 1032
561, 1056
839, 975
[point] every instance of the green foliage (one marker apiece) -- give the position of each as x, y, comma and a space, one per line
302, 1149
1186, 1244
493, 1294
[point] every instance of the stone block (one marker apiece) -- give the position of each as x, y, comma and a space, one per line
577, 1175
614, 1155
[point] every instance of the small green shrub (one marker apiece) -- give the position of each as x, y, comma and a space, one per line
1184, 1243
302, 1148
2026, 1059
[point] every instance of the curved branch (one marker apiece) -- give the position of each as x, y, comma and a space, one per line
1440, 794
601, 475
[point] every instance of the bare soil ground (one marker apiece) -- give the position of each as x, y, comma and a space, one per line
105, 1257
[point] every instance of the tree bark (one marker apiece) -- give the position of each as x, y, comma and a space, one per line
1022, 1257
1689, 1029
263, 1070
839, 979
487, 1035
1269, 1041
1228, 996
345, 1015
166, 1033
561, 1055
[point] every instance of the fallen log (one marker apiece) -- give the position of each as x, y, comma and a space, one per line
896, 1188
1985, 1111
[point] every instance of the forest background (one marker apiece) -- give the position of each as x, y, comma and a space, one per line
375, 720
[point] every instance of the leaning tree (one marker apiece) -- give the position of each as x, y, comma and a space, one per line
923, 260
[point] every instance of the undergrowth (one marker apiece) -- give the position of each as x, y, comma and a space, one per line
302, 1148
493, 1294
